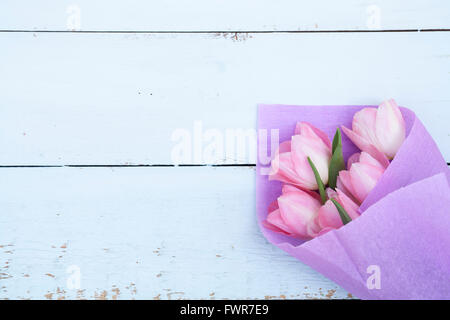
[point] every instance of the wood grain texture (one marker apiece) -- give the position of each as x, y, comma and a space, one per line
218, 15
118, 98
142, 233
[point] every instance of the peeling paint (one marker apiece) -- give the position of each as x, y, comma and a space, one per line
4, 275
101, 296
80, 294
61, 294
330, 293
176, 293
116, 292
282, 296
234, 36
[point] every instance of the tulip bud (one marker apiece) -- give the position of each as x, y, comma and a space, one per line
378, 131
362, 176
295, 213
290, 164
328, 216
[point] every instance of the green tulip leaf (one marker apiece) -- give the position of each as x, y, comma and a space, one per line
342, 213
337, 139
337, 162
322, 192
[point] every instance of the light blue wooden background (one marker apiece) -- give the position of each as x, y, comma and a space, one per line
87, 118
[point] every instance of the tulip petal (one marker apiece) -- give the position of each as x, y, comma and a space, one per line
299, 211
307, 129
349, 205
390, 128
302, 148
331, 193
328, 216
282, 169
364, 178
290, 164
364, 145
273, 206
357, 140
284, 147
364, 125
325, 230
275, 223
352, 159
342, 212
366, 158
290, 188
344, 183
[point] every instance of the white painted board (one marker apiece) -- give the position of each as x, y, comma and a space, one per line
118, 98
221, 15
142, 233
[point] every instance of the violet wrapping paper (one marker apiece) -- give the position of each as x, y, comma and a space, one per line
404, 228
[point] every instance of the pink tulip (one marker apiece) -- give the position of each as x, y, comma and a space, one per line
295, 213
378, 131
290, 164
362, 175
328, 216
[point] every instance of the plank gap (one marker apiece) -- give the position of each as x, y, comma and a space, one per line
226, 31
133, 165
128, 165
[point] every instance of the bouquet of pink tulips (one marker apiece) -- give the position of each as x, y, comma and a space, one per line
370, 208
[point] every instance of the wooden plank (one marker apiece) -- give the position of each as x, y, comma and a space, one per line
143, 233
119, 98
218, 15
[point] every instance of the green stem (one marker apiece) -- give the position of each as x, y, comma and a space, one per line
337, 162
322, 192
342, 213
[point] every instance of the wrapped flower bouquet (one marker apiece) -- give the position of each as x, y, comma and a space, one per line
359, 193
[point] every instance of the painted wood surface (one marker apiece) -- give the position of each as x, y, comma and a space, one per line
219, 15
119, 98
112, 97
143, 233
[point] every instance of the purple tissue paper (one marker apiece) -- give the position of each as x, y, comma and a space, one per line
400, 246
